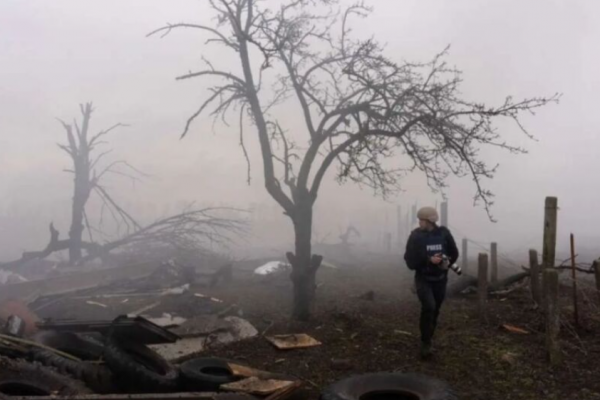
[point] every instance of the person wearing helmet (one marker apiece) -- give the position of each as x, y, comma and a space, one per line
424, 250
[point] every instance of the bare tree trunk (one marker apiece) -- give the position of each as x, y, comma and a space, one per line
82, 185
304, 263
80, 196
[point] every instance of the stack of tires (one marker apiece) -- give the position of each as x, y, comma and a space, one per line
88, 364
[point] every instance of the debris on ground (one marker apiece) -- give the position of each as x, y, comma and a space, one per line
16, 308
199, 334
141, 329
176, 290
9, 277
95, 303
293, 341
405, 333
257, 386
515, 329
168, 321
272, 267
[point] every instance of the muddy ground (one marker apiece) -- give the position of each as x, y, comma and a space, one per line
479, 359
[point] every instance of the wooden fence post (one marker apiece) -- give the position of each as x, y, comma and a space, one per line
465, 256
482, 284
494, 256
574, 277
534, 269
552, 315
596, 267
444, 213
549, 250
550, 220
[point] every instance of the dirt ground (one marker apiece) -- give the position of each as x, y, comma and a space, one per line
479, 359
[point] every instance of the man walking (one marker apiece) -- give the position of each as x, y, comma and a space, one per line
425, 249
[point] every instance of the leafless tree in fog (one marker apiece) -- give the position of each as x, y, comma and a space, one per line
191, 230
360, 110
81, 146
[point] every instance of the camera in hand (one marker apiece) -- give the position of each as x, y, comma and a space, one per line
454, 267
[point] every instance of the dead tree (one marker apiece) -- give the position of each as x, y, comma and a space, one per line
81, 146
359, 108
193, 231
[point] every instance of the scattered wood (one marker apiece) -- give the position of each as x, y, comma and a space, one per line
95, 303
285, 392
294, 341
146, 308
515, 329
268, 328
257, 386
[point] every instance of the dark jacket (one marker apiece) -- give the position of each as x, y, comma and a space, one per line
422, 245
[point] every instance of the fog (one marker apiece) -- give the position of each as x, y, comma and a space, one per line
57, 54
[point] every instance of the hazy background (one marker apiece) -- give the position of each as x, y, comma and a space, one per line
57, 54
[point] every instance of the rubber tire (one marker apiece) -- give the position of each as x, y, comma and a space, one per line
39, 380
138, 368
81, 347
97, 377
415, 386
196, 376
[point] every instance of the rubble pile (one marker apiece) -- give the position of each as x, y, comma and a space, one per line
153, 346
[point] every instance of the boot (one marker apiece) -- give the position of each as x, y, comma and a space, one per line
426, 351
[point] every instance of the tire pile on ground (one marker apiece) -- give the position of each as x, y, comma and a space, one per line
71, 364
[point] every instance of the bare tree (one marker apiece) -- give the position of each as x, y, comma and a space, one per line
193, 229
360, 110
81, 146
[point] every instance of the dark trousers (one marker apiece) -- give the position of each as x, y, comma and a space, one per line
431, 295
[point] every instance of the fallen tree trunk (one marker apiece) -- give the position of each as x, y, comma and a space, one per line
467, 282
189, 230
53, 246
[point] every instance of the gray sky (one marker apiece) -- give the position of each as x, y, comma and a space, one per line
57, 54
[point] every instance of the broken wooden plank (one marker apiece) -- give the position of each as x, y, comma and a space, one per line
293, 341
254, 385
285, 392
515, 329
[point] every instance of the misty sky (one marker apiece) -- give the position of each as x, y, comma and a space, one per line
57, 54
